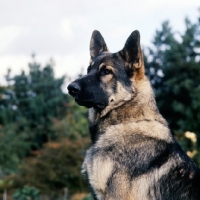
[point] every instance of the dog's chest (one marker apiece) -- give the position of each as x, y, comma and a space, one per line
98, 169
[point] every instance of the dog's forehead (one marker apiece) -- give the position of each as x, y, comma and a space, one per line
107, 58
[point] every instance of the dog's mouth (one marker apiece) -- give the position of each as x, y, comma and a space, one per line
90, 104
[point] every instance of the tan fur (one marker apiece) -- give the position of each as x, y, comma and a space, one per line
118, 99
107, 67
118, 132
107, 79
99, 170
141, 185
139, 73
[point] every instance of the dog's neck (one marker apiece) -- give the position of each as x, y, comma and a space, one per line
141, 107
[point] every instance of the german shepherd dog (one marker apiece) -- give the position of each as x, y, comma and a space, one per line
133, 154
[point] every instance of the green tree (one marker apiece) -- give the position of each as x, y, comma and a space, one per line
26, 193
13, 148
75, 123
38, 98
61, 161
7, 109
173, 65
28, 104
47, 128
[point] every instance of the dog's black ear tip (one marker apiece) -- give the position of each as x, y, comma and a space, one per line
136, 31
96, 32
135, 34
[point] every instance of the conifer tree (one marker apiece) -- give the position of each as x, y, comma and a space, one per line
28, 104
173, 65
39, 98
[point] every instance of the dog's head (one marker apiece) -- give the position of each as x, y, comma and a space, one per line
112, 77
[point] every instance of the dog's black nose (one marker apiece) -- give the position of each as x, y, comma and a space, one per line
74, 89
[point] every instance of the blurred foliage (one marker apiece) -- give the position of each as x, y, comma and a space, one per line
56, 166
13, 148
173, 66
43, 133
37, 98
72, 125
26, 193
88, 197
7, 111
27, 106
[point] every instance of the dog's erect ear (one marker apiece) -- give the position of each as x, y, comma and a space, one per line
97, 44
132, 54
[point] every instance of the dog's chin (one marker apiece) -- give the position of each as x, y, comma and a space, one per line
100, 106
87, 104
90, 104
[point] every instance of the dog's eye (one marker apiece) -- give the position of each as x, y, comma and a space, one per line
107, 71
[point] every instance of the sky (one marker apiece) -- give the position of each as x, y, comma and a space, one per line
61, 29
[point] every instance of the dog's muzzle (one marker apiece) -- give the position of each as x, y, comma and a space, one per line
75, 91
